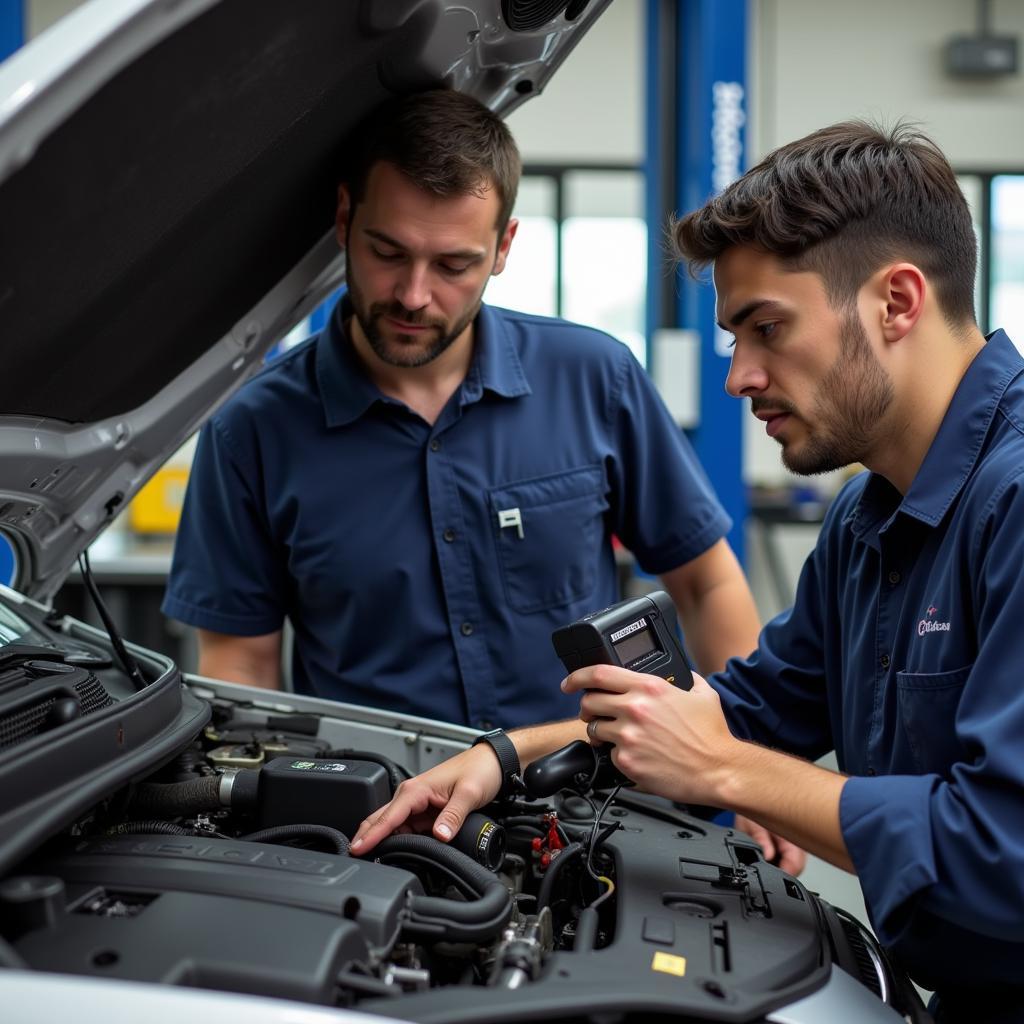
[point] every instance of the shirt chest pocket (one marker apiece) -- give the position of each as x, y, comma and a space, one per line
928, 705
549, 532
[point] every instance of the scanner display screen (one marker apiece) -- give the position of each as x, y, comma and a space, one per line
636, 645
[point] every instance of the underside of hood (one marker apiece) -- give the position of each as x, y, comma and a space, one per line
168, 173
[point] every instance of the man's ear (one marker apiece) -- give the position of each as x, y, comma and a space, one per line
341, 215
903, 291
504, 244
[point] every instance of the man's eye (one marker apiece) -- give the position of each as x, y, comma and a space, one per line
765, 330
387, 257
452, 271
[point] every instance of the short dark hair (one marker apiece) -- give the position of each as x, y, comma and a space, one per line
445, 141
842, 202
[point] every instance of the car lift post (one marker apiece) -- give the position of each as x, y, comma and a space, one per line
696, 143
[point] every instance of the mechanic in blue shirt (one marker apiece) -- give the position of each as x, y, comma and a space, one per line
844, 265
430, 487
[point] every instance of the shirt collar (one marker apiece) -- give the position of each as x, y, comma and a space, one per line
347, 391
496, 365
954, 452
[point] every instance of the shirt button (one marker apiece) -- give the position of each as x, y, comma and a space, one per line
871, 771
449, 535
435, 445
884, 661
466, 629
894, 577
485, 724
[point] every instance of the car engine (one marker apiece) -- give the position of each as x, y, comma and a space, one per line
196, 834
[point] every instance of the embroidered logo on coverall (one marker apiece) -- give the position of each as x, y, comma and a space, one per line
931, 624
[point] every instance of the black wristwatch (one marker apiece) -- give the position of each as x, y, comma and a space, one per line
505, 751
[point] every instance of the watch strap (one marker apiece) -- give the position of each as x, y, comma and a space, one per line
508, 760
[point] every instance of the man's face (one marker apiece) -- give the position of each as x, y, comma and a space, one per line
417, 264
809, 370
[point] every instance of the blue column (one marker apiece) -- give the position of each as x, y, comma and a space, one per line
696, 145
12, 26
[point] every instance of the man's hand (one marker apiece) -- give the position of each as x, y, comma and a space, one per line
779, 851
456, 786
677, 744
668, 741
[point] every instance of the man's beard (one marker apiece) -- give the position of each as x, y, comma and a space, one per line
848, 407
423, 347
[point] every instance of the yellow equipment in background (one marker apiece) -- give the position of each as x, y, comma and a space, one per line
156, 509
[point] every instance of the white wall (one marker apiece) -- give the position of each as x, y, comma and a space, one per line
41, 14
593, 106
814, 63
817, 62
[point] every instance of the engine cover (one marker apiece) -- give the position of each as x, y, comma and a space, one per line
210, 913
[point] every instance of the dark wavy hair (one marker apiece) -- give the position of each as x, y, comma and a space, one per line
445, 141
842, 202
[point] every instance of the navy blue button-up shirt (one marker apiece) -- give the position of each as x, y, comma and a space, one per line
425, 567
904, 652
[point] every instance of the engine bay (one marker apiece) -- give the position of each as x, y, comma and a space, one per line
196, 834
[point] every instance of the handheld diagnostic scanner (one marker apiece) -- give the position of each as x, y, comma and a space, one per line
639, 634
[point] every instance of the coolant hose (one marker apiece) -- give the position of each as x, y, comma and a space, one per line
149, 828
440, 918
568, 853
586, 931
173, 799
279, 833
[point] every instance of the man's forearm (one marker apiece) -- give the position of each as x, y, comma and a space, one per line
787, 795
715, 606
537, 740
724, 625
253, 661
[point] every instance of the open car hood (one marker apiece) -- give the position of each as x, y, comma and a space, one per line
167, 183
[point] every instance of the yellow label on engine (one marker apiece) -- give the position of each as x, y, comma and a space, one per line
667, 963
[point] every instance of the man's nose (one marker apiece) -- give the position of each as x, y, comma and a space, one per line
413, 287
746, 376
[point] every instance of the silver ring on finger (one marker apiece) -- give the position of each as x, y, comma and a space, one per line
592, 729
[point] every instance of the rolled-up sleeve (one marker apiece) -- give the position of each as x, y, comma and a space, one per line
224, 576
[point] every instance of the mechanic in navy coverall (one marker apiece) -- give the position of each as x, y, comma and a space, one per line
844, 266
430, 487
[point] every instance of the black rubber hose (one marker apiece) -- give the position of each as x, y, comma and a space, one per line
279, 833
456, 921
133, 828
396, 774
555, 868
478, 877
482, 920
408, 858
534, 820
586, 931
171, 799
